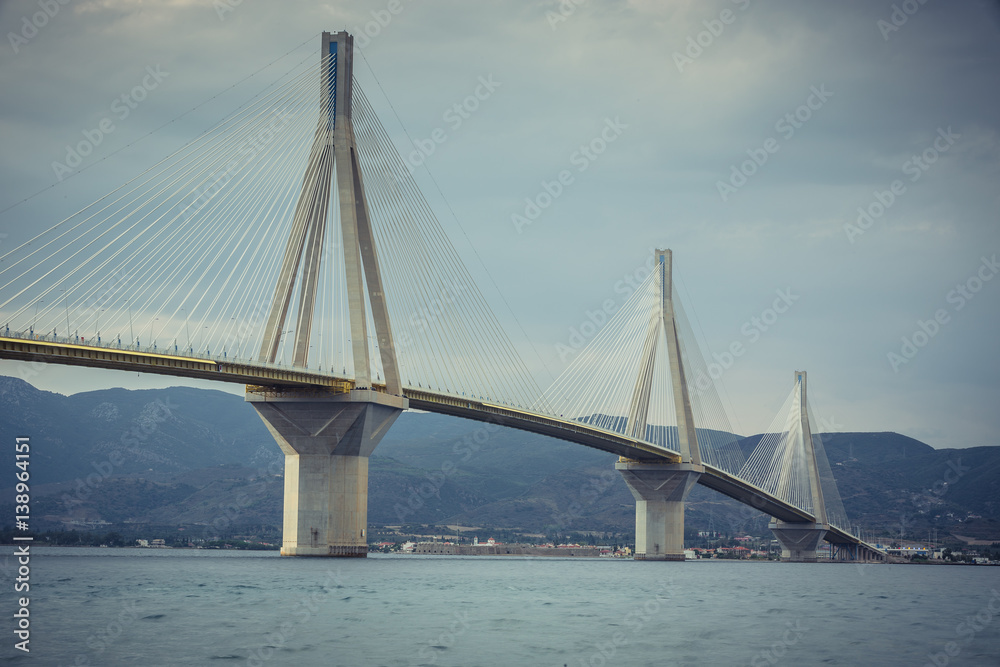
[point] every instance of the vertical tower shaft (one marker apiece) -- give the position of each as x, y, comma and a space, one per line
660, 490
799, 541
686, 433
327, 437
333, 156
815, 488
664, 321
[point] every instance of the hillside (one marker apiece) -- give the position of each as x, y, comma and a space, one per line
204, 459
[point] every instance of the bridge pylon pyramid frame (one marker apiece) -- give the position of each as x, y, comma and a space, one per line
660, 490
799, 541
327, 437
463, 366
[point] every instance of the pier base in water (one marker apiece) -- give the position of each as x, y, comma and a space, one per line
326, 441
660, 492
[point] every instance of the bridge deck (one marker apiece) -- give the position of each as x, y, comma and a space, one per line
114, 358
280, 379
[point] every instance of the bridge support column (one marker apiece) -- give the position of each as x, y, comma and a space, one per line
660, 491
799, 541
327, 440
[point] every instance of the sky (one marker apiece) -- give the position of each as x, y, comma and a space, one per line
837, 162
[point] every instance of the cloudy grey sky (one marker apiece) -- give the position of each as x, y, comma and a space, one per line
747, 136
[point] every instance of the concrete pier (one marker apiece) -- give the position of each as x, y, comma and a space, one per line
660, 489
799, 541
328, 436
660, 492
858, 553
327, 440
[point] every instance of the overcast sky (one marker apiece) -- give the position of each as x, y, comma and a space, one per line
744, 135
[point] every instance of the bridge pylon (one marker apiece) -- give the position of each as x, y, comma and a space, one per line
660, 490
799, 541
327, 437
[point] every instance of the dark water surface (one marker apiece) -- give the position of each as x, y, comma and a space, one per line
94, 606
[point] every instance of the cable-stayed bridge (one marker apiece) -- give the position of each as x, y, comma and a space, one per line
289, 249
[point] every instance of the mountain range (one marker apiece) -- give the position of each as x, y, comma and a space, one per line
193, 457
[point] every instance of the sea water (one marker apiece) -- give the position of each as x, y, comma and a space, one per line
105, 606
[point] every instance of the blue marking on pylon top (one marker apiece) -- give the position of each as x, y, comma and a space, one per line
333, 83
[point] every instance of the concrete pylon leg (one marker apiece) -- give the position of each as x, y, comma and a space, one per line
660, 491
327, 441
799, 541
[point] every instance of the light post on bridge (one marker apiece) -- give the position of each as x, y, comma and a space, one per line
282, 334
34, 320
66, 303
187, 331
131, 334
152, 331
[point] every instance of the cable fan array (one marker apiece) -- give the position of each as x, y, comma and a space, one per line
718, 444
183, 259
779, 464
836, 515
446, 336
599, 387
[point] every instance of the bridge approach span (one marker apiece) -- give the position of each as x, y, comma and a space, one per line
273, 378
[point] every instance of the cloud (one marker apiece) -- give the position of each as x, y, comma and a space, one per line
655, 186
